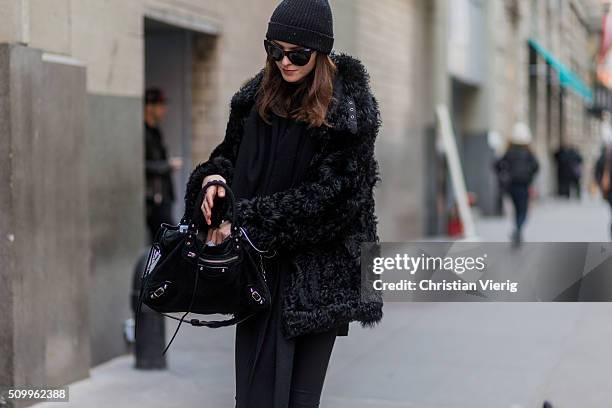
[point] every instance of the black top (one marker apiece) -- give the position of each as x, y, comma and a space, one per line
158, 171
272, 158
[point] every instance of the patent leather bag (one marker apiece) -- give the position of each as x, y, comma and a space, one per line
183, 274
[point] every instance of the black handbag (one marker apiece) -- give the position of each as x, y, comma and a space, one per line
183, 274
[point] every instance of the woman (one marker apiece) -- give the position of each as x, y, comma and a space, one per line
298, 154
516, 170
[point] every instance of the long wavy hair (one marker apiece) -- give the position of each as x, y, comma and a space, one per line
307, 101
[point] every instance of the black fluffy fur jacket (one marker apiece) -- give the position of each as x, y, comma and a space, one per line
321, 222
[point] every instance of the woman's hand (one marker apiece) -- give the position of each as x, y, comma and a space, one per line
217, 235
211, 193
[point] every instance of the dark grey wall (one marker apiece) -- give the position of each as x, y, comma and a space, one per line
44, 232
116, 215
480, 178
61, 204
6, 225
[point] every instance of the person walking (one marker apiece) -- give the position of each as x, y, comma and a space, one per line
159, 189
576, 160
298, 153
603, 171
569, 169
516, 170
564, 171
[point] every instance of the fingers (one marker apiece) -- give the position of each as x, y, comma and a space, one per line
205, 211
208, 203
211, 192
208, 212
213, 235
210, 195
217, 236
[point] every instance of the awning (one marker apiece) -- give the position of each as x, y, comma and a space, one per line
567, 77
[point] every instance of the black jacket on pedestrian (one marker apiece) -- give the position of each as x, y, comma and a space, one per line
158, 171
517, 166
323, 220
568, 163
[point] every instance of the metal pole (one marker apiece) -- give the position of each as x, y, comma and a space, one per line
151, 331
452, 156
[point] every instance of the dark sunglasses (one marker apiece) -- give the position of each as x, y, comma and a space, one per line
298, 57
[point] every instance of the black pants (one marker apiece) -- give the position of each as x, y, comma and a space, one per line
567, 185
312, 353
576, 186
275, 372
520, 199
156, 215
310, 362
564, 186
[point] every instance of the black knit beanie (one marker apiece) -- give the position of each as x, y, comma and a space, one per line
308, 23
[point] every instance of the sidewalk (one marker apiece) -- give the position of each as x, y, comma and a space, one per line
554, 220
437, 355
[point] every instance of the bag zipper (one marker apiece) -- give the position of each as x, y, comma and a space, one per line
233, 258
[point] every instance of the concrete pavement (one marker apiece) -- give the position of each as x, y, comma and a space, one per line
425, 355
554, 220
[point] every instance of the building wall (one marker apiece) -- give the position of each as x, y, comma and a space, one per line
581, 36
389, 39
508, 68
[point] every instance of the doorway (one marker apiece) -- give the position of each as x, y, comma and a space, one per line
168, 66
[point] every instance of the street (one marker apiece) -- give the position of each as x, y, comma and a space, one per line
425, 355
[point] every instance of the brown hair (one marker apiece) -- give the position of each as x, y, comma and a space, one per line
313, 95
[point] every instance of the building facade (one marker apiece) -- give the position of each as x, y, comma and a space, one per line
509, 61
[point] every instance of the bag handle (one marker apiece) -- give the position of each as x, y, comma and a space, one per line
196, 213
213, 324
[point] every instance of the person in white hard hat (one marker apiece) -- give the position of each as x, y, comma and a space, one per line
516, 170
